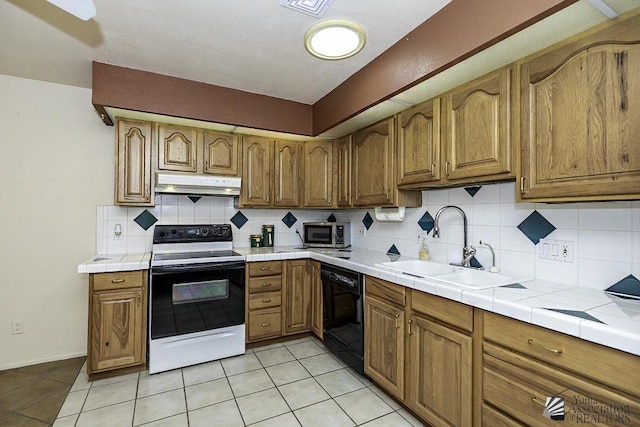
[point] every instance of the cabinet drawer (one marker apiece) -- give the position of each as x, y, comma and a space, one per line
264, 300
387, 291
451, 312
265, 284
603, 364
267, 268
264, 324
118, 280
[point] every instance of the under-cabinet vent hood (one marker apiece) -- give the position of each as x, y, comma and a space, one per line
197, 184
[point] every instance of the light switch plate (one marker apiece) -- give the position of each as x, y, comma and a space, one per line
556, 250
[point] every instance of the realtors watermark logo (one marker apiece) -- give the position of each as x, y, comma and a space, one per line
554, 408
580, 408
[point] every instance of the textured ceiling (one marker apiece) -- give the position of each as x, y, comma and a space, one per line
251, 45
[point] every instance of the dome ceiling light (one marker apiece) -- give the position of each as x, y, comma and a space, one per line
334, 39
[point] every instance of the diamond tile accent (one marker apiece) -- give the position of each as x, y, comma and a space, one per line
472, 190
239, 219
194, 198
475, 263
367, 220
576, 313
629, 286
536, 227
145, 219
393, 250
514, 286
331, 218
289, 219
426, 222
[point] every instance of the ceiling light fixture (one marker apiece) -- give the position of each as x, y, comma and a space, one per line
334, 39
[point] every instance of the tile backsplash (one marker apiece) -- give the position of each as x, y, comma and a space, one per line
605, 236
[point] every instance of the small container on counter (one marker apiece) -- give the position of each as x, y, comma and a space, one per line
267, 235
255, 240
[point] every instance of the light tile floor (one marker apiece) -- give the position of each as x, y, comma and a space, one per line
297, 383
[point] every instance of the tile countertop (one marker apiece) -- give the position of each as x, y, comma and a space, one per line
118, 262
581, 312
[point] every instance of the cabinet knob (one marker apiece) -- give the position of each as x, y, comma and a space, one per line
266, 285
106, 344
410, 331
522, 185
397, 324
265, 268
446, 168
264, 325
265, 301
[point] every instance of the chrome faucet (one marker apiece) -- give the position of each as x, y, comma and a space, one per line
467, 251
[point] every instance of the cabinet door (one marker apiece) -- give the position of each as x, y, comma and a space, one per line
177, 148
220, 153
384, 345
134, 184
287, 174
116, 329
297, 298
580, 131
419, 144
439, 373
318, 174
477, 127
373, 159
256, 171
317, 317
343, 171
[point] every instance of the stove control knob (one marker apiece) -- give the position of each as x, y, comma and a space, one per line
162, 234
225, 232
174, 231
205, 231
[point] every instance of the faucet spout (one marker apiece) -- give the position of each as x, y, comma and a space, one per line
467, 251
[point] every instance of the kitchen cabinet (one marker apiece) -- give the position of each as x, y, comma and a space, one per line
525, 364
579, 105
317, 313
343, 148
194, 150
440, 367
384, 340
477, 129
117, 336
270, 172
296, 295
373, 173
263, 300
318, 174
134, 160
419, 144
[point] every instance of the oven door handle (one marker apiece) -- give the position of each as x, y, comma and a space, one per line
180, 268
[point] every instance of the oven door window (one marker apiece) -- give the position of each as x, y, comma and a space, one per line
184, 302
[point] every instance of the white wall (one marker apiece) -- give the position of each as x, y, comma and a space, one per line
56, 166
606, 235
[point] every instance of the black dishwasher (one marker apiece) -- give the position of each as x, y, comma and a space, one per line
343, 318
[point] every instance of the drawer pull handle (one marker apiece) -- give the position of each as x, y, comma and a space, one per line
118, 280
266, 285
266, 300
410, 331
537, 401
265, 268
446, 168
264, 325
397, 325
138, 300
552, 350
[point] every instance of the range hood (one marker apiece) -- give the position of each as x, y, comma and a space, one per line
174, 183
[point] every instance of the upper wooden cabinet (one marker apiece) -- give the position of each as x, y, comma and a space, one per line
318, 174
419, 143
134, 154
270, 172
221, 153
476, 128
373, 173
177, 148
186, 149
579, 110
343, 171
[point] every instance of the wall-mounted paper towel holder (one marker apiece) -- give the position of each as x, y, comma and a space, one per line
390, 214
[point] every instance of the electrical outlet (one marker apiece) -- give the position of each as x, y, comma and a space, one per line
363, 231
556, 250
117, 232
422, 234
17, 327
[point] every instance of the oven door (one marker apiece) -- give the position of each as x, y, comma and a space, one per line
197, 297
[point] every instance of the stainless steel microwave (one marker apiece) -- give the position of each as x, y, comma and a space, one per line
327, 234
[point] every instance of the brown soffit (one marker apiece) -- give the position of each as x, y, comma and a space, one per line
136, 90
457, 32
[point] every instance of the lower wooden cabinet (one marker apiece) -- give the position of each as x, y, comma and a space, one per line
317, 311
263, 300
117, 332
296, 294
